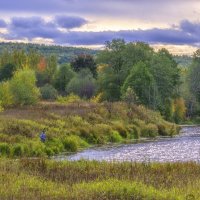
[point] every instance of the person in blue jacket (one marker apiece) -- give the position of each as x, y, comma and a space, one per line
43, 136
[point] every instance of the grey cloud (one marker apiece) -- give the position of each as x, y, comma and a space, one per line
30, 28
154, 36
189, 27
70, 22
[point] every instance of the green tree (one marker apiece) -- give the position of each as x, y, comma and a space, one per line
119, 58
20, 59
51, 67
6, 71
111, 76
23, 87
130, 97
108, 84
194, 76
83, 84
142, 82
63, 76
48, 92
33, 59
84, 62
169, 109
167, 78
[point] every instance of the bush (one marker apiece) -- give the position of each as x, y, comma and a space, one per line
115, 137
70, 144
36, 148
118, 126
18, 150
49, 151
4, 149
21, 127
83, 85
134, 132
150, 130
48, 92
23, 88
56, 145
162, 130
1, 107
72, 98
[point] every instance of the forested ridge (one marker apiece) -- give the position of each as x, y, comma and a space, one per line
64, 54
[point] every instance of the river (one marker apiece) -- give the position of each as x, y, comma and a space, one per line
182, 148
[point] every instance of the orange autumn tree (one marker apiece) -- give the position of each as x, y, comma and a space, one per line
42, 65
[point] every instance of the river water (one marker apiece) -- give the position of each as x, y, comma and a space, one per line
182, 148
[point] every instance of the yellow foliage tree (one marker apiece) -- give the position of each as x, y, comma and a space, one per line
6, 96
180, 110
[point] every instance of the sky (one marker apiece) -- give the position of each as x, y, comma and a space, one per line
173, 24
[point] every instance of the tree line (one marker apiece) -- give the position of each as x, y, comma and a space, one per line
131, 72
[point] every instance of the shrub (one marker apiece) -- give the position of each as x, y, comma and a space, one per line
1, 108
150, 130
162, 129
118, 126
36, 148
48, 92
72, 98
49, 151
97, 99
101, 133
21, 127
134, 132
83, 84
23, 88
18, 150
115, 137
71, 144
56, 145
4, 149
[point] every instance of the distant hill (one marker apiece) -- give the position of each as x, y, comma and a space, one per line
183, 61
64, 54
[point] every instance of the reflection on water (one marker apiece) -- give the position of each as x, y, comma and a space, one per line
185, 147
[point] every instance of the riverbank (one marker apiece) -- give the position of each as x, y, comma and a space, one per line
44, 179
74, 126
180, 148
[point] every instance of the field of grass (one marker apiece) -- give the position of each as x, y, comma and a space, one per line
74, 126
46, 179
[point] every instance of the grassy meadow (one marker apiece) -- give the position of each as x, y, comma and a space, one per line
75, 126
27, 173
46, 179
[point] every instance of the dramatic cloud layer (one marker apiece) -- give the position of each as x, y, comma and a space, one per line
92, 22
36, 27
